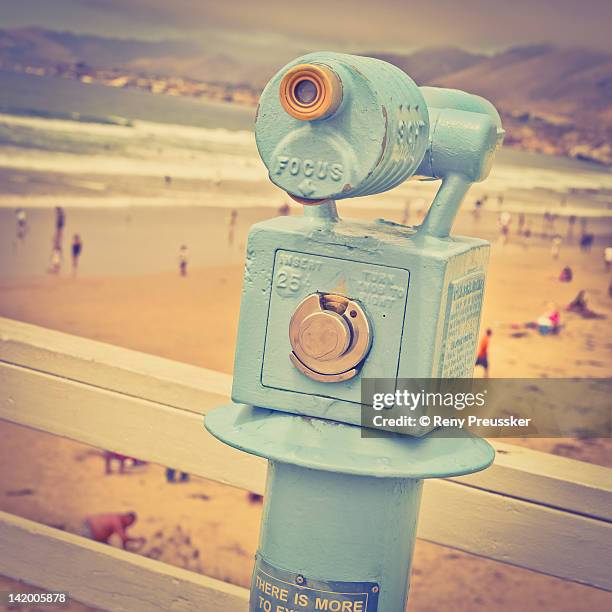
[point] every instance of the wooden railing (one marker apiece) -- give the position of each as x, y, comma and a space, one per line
530, 509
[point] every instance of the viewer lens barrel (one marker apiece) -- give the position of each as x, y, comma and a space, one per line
337, 126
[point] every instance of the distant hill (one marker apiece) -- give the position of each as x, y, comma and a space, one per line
561, 80
566, 80
47, 48
42, 47
428, 64
552, 99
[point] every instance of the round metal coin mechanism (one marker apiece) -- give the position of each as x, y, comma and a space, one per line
330, 336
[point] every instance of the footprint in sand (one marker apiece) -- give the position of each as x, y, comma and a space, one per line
175, 548
19, 492
565, 450
201, 496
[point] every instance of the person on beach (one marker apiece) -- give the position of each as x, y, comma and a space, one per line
580, 306
566, 275
586, 238
586, 242
22, 223
60, 218
183, 259
482, 357
284, 210
55, 262
110, 456
101, 527
171, 476
476, 211
56, 250
77, 247
608, 258
548, 225
555, 318
60, 222
550, 321
406, 213
420, 206
526, 235
555, 248
504, 226
521, 224
571, 222
231, 226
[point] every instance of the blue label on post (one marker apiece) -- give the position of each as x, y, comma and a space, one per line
277, 590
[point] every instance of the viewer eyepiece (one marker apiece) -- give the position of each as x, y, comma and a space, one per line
306, 92
310, 91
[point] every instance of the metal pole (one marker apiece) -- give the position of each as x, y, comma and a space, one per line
328, 525
340, 510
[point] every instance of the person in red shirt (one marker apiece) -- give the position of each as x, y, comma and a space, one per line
101, 527
482, 358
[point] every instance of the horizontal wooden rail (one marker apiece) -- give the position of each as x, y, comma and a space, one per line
105, 577
110, 367
518, 472
530, 509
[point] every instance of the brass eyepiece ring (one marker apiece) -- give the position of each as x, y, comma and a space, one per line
310, 91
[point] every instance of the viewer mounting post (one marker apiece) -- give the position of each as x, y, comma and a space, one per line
328, 302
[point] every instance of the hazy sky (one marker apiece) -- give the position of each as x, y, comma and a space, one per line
265, 25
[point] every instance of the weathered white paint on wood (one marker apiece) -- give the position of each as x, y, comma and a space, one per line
530, 509
549, 480
465, 517
110, 367
518, 472
105, 577
517, 532
125, 424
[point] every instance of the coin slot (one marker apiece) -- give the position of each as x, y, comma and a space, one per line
330, 337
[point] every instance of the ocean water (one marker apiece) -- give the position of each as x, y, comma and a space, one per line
56, 97
66, 131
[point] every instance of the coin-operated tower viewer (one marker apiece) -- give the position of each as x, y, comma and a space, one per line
329, 301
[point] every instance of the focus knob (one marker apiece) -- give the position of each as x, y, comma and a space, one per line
330, 337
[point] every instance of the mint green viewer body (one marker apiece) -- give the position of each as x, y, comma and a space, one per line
327, 302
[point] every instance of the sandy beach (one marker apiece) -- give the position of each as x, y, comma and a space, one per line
135, 194
211, 528
51, 162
